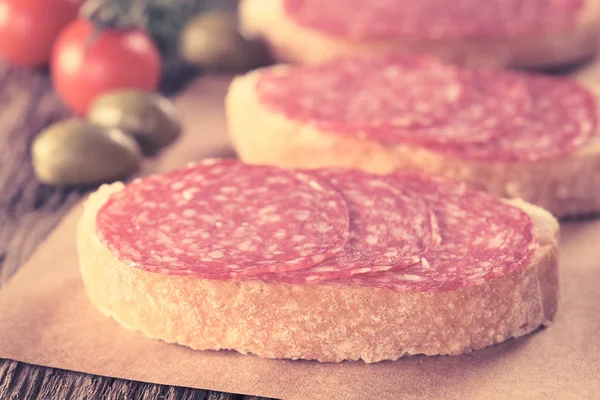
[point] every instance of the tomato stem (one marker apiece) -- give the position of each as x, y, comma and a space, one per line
91, 39
120, 14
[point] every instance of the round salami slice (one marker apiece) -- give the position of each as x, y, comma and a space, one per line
491, 103
224, 219
470, 113
562, 118
390, 228
362, 95
481, 238
433, 19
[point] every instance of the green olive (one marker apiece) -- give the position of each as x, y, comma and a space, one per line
149, 117
76, 152
212, 40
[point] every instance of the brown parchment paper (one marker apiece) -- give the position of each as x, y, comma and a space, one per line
46, 319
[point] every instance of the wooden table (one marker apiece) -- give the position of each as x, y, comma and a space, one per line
28, 212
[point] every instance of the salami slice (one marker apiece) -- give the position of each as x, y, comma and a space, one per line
562, 118
360, 94
433, 19
390, 228
492, 103
479, 114
224, 219
481, 238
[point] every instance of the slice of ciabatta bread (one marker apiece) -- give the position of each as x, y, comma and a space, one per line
565, 186
329, 322
295, 43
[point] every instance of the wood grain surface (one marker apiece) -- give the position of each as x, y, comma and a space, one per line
23, 381
29, 210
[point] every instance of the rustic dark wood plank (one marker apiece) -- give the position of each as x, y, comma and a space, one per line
24, 381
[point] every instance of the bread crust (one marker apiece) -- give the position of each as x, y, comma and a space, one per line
294, 43
565, 186
329, 322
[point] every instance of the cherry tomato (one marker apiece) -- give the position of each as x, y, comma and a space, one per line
28, 29
87, 63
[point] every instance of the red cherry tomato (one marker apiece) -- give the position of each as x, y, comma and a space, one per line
86, 64
28, 29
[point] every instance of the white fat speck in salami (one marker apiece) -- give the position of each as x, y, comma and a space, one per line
242, 218
390, 228
479, 114
433, 19
482, 238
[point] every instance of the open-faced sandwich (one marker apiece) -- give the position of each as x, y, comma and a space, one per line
512, 134
327, 264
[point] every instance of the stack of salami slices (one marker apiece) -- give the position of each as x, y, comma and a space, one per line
513, 134
523, 33
327, 264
